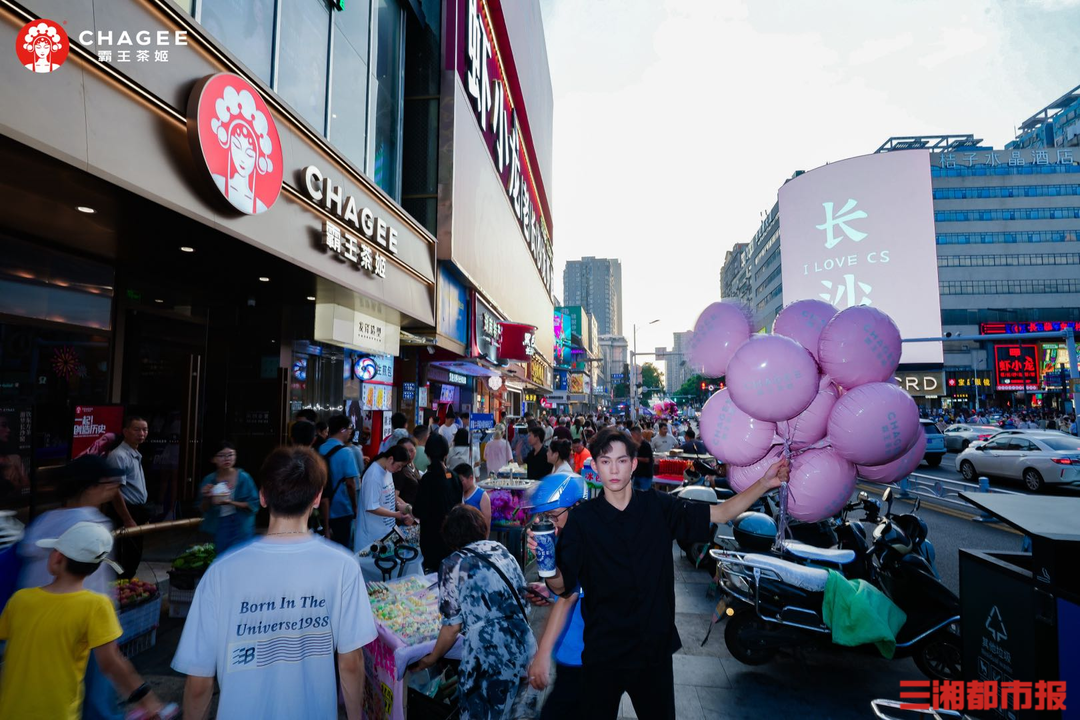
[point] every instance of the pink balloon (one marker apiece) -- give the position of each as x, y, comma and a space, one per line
859, 345
803, 321
819, 485
812, 424
732, 435
772, 377
874, 424
719, 331
899, 468
740, 477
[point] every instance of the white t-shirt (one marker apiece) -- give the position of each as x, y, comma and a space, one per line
449, 432
664, 443
376, 491
267, 619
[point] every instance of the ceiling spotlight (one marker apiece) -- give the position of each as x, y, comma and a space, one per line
311, 298
85, 209
186, 248
264, 279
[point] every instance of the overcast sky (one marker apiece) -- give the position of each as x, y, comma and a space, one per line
677, 120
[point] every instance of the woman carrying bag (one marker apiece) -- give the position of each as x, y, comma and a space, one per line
480, 597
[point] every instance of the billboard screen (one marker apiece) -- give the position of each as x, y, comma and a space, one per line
861, 232
1017, 367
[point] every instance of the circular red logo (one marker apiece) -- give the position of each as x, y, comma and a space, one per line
233, 132
42, 46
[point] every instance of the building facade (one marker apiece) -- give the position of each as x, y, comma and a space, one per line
221, 218
1006, 227
676, 362
596, 285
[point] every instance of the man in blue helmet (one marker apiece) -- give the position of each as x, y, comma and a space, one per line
617, 549
563, 636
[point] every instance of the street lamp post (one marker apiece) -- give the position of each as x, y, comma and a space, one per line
634, 374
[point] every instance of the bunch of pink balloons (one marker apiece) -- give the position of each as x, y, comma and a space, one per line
819, 389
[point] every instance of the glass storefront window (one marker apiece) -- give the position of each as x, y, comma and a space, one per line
387, 97
302, 64
245, 27
348, 99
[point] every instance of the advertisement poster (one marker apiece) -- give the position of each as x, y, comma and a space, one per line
96, 430
377, 397
15, 444
577, 384
852, 228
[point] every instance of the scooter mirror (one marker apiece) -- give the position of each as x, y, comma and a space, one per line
864, 495
887, 496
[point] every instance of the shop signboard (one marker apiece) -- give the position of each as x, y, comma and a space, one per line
1053, 363
408, 392
562, 379
1017, 367
851, 228
1002, 328
453, 320
587, 384
378, 369
16, 428
923, 383
518, 341
482, 421
480, 68
487, 330
97, 428
233, 133
442, 375
539, 372
339, 325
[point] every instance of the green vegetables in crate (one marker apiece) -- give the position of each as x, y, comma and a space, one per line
196, 557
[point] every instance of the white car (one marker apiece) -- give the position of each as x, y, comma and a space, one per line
958, 437
935, 443
1035, 457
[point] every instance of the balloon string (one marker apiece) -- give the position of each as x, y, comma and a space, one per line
782, 525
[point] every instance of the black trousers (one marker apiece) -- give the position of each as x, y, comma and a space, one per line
129, 551
564, 701
341, 530
651, 689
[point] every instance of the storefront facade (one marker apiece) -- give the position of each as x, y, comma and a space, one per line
187, 244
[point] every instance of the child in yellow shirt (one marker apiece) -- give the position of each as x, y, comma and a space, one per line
51, 630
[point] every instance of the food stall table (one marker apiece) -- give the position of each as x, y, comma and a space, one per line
408, 622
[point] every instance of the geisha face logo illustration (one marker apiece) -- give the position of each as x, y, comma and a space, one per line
42, 46
234, 133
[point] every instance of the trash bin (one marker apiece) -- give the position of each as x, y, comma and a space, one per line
1020, 612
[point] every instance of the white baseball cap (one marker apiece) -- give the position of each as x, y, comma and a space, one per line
86, 542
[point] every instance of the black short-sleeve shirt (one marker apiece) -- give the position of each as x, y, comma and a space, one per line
622, 560
536, 464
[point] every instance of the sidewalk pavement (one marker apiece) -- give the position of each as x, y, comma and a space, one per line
709, 682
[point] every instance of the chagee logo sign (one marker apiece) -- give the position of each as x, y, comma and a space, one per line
42, 46
233, 132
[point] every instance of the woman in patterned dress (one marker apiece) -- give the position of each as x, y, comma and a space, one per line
480, 604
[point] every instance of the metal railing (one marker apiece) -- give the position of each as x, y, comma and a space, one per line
947, 492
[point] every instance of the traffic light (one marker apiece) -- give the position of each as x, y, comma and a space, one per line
703, 385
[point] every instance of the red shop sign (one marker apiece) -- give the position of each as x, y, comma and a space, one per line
1017, 367
518, 341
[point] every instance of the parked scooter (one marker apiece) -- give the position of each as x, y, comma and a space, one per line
775, 603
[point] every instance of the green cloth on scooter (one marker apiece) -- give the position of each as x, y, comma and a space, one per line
858, 613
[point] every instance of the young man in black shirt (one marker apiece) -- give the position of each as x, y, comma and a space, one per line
617, 549
643, 473
536, 462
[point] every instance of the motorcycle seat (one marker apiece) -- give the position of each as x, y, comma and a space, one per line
809, 552
802, 576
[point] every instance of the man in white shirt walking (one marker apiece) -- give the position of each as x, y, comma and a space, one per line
268, 618
664, 441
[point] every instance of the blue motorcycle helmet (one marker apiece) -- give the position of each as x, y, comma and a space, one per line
558, 490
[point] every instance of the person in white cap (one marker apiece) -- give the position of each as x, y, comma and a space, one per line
51, 630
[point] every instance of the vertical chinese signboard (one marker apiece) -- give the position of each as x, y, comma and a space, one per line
1017, 367
481, 67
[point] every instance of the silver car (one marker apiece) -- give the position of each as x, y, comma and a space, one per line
1034, 457
958, 437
